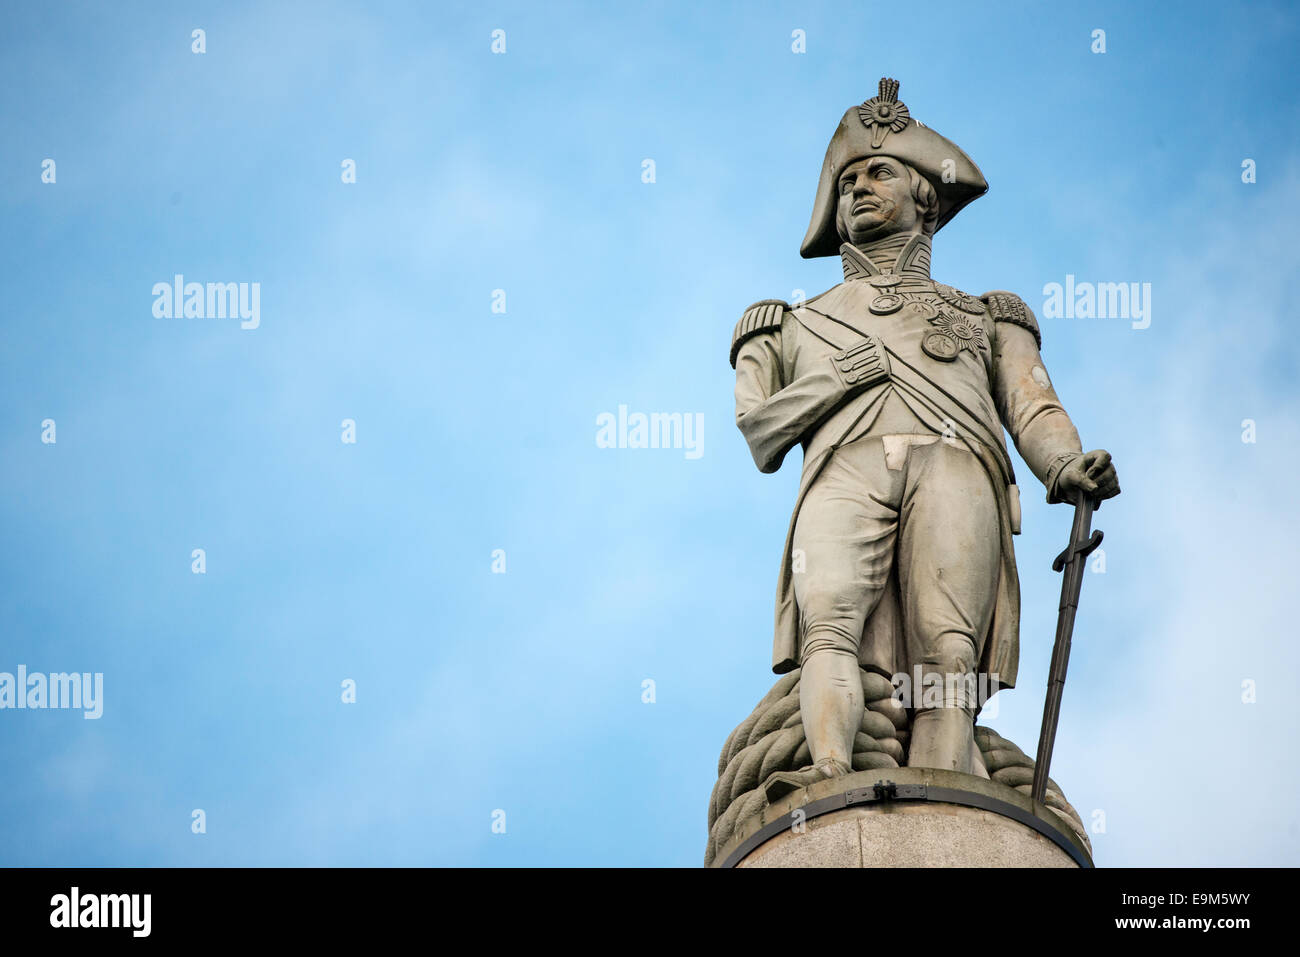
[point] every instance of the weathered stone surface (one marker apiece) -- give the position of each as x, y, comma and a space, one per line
965, 821
910, 835
829, 841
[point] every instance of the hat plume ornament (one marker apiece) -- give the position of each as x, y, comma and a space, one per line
884, 113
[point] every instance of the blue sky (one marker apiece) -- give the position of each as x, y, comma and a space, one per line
476, 430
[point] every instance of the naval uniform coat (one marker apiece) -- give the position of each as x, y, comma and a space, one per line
836, 368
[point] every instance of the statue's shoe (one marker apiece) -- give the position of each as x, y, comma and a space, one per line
783, 783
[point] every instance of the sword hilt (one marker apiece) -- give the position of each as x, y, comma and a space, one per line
1081, 549
1079, 546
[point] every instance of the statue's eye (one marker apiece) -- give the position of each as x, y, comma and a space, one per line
846, 186
884, 172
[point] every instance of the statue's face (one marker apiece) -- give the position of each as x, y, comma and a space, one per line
875, 200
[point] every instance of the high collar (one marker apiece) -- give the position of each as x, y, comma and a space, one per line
905, 254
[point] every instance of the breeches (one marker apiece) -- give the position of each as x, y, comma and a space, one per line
928, 512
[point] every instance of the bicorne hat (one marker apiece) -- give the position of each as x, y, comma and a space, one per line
883, 126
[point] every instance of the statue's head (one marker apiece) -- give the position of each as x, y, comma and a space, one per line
884, 172
880, 196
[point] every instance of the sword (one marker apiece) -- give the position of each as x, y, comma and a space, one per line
1071, 561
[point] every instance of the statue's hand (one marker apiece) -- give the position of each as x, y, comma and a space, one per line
1093, 474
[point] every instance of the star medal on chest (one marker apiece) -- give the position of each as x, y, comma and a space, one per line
954, 333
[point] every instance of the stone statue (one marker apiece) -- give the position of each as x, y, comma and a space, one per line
899, 558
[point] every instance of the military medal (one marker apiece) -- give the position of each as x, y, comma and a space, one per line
887, 281
965, 334
884, 305
963, 301
939, 346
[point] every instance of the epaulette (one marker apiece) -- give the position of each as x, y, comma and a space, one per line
1008, 307
764, 316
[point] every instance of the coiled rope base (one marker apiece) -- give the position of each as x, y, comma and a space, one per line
771, 739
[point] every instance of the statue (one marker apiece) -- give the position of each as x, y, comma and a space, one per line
899, 557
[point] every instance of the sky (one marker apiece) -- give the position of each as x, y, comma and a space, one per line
496, 588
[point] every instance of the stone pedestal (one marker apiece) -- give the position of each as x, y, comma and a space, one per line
905, 817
